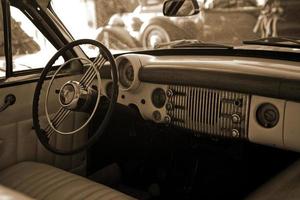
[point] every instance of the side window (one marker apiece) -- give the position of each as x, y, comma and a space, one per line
31, 50
2, 54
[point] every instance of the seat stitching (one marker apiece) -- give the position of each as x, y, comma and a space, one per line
33, 179
96, 189
71, 196
9, 171
46, 182
117, 195
51, 192
39, 171
103, 194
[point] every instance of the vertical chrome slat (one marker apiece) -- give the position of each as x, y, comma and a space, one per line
214, 112
178, 103
190, 107
208, 111
225, 126
221, 112
175, 103
195, 109
185, 108
181, 104
218, 113
198, 109
204, 110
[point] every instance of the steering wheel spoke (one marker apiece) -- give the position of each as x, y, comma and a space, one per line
90, 74
57, 120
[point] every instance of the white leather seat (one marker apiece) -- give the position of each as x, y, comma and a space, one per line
285, 185
6, 193
41, 181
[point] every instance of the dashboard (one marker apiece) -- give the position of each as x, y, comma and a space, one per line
255, 99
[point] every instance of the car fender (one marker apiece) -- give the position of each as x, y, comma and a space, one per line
119, 33
167, 24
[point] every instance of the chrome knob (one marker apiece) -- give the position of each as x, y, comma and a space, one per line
169, 106
236, 118
168, 119
170, 93
235, 133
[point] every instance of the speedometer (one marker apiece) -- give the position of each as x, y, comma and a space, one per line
126, 73
128, 69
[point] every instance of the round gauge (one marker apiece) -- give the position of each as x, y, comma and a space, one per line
126, 73
267, 115
158, 98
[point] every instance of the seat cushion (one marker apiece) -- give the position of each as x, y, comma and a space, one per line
42, 181
6, 193
285, 185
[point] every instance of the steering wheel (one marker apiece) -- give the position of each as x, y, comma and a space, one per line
74, 96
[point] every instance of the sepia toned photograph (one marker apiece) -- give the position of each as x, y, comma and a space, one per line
149, 99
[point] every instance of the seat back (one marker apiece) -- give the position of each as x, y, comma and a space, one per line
18, 141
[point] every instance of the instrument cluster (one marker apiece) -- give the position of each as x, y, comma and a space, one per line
200, 106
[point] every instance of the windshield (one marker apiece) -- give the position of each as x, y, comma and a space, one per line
124, 25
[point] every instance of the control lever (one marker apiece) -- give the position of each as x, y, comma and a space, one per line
9, 100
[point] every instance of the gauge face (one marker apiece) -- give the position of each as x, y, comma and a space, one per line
267, 115
158, 98
126, 73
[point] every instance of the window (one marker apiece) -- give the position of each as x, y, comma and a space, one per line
2, 54
30, 48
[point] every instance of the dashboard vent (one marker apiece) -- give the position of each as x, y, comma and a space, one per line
209, 111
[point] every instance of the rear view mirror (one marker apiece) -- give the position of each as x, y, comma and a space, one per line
180, 8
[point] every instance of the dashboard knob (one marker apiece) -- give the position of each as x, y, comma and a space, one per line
168, 119
169, 106
235, 118
267, 115
170, 93
156, 115
235, 133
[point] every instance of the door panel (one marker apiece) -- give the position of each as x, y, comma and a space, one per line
18, 141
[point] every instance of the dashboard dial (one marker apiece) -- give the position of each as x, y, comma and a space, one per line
126, 73
158, 98
267, 115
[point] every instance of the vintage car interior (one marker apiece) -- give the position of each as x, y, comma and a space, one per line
187, 120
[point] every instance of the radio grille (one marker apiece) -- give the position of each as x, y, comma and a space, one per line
209, 111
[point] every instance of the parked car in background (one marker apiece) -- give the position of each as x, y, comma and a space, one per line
146, 26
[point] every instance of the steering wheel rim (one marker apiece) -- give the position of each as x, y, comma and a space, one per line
41, 134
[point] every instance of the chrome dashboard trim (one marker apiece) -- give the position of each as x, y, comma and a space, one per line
209, 111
